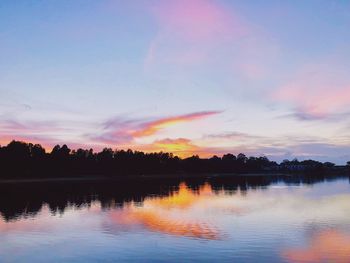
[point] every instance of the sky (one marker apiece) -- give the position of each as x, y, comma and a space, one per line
190, 77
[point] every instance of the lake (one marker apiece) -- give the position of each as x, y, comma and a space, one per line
230, 219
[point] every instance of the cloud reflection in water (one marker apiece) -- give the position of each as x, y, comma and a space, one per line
324, 246
172, 215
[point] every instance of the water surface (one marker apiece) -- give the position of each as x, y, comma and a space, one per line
242, 219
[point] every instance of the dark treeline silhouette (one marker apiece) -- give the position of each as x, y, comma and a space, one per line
27, 199
26, 160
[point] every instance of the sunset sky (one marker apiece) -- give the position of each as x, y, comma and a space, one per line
187, 76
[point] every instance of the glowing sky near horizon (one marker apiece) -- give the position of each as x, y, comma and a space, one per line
189, 76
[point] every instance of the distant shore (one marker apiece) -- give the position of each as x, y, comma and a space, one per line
28, 162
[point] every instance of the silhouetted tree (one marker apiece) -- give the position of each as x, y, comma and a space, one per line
241, 158
25, 159
328, 165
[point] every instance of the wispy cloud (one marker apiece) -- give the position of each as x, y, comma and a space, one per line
15, 126
30, 131
195, 20
318, 92
301, 115
119, 130
232, 136
45, 132
154, 126
189, 29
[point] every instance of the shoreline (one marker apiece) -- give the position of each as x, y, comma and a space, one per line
157, 176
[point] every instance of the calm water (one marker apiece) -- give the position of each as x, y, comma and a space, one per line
225, 220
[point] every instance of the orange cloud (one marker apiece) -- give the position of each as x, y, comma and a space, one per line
326, 246
181, 147
124, 132
153, 127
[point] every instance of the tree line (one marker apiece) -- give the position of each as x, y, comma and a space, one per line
23, 159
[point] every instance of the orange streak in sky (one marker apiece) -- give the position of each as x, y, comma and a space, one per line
153, 127
181, 147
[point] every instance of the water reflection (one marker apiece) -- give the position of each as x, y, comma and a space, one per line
171, 214
277, 218
26, 199
324, 246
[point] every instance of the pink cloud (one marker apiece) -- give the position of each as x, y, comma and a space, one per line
29, 131
317, 93
27, 126
46, 133
204, 33
251, 69
125, 131
189, 30
195, 20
